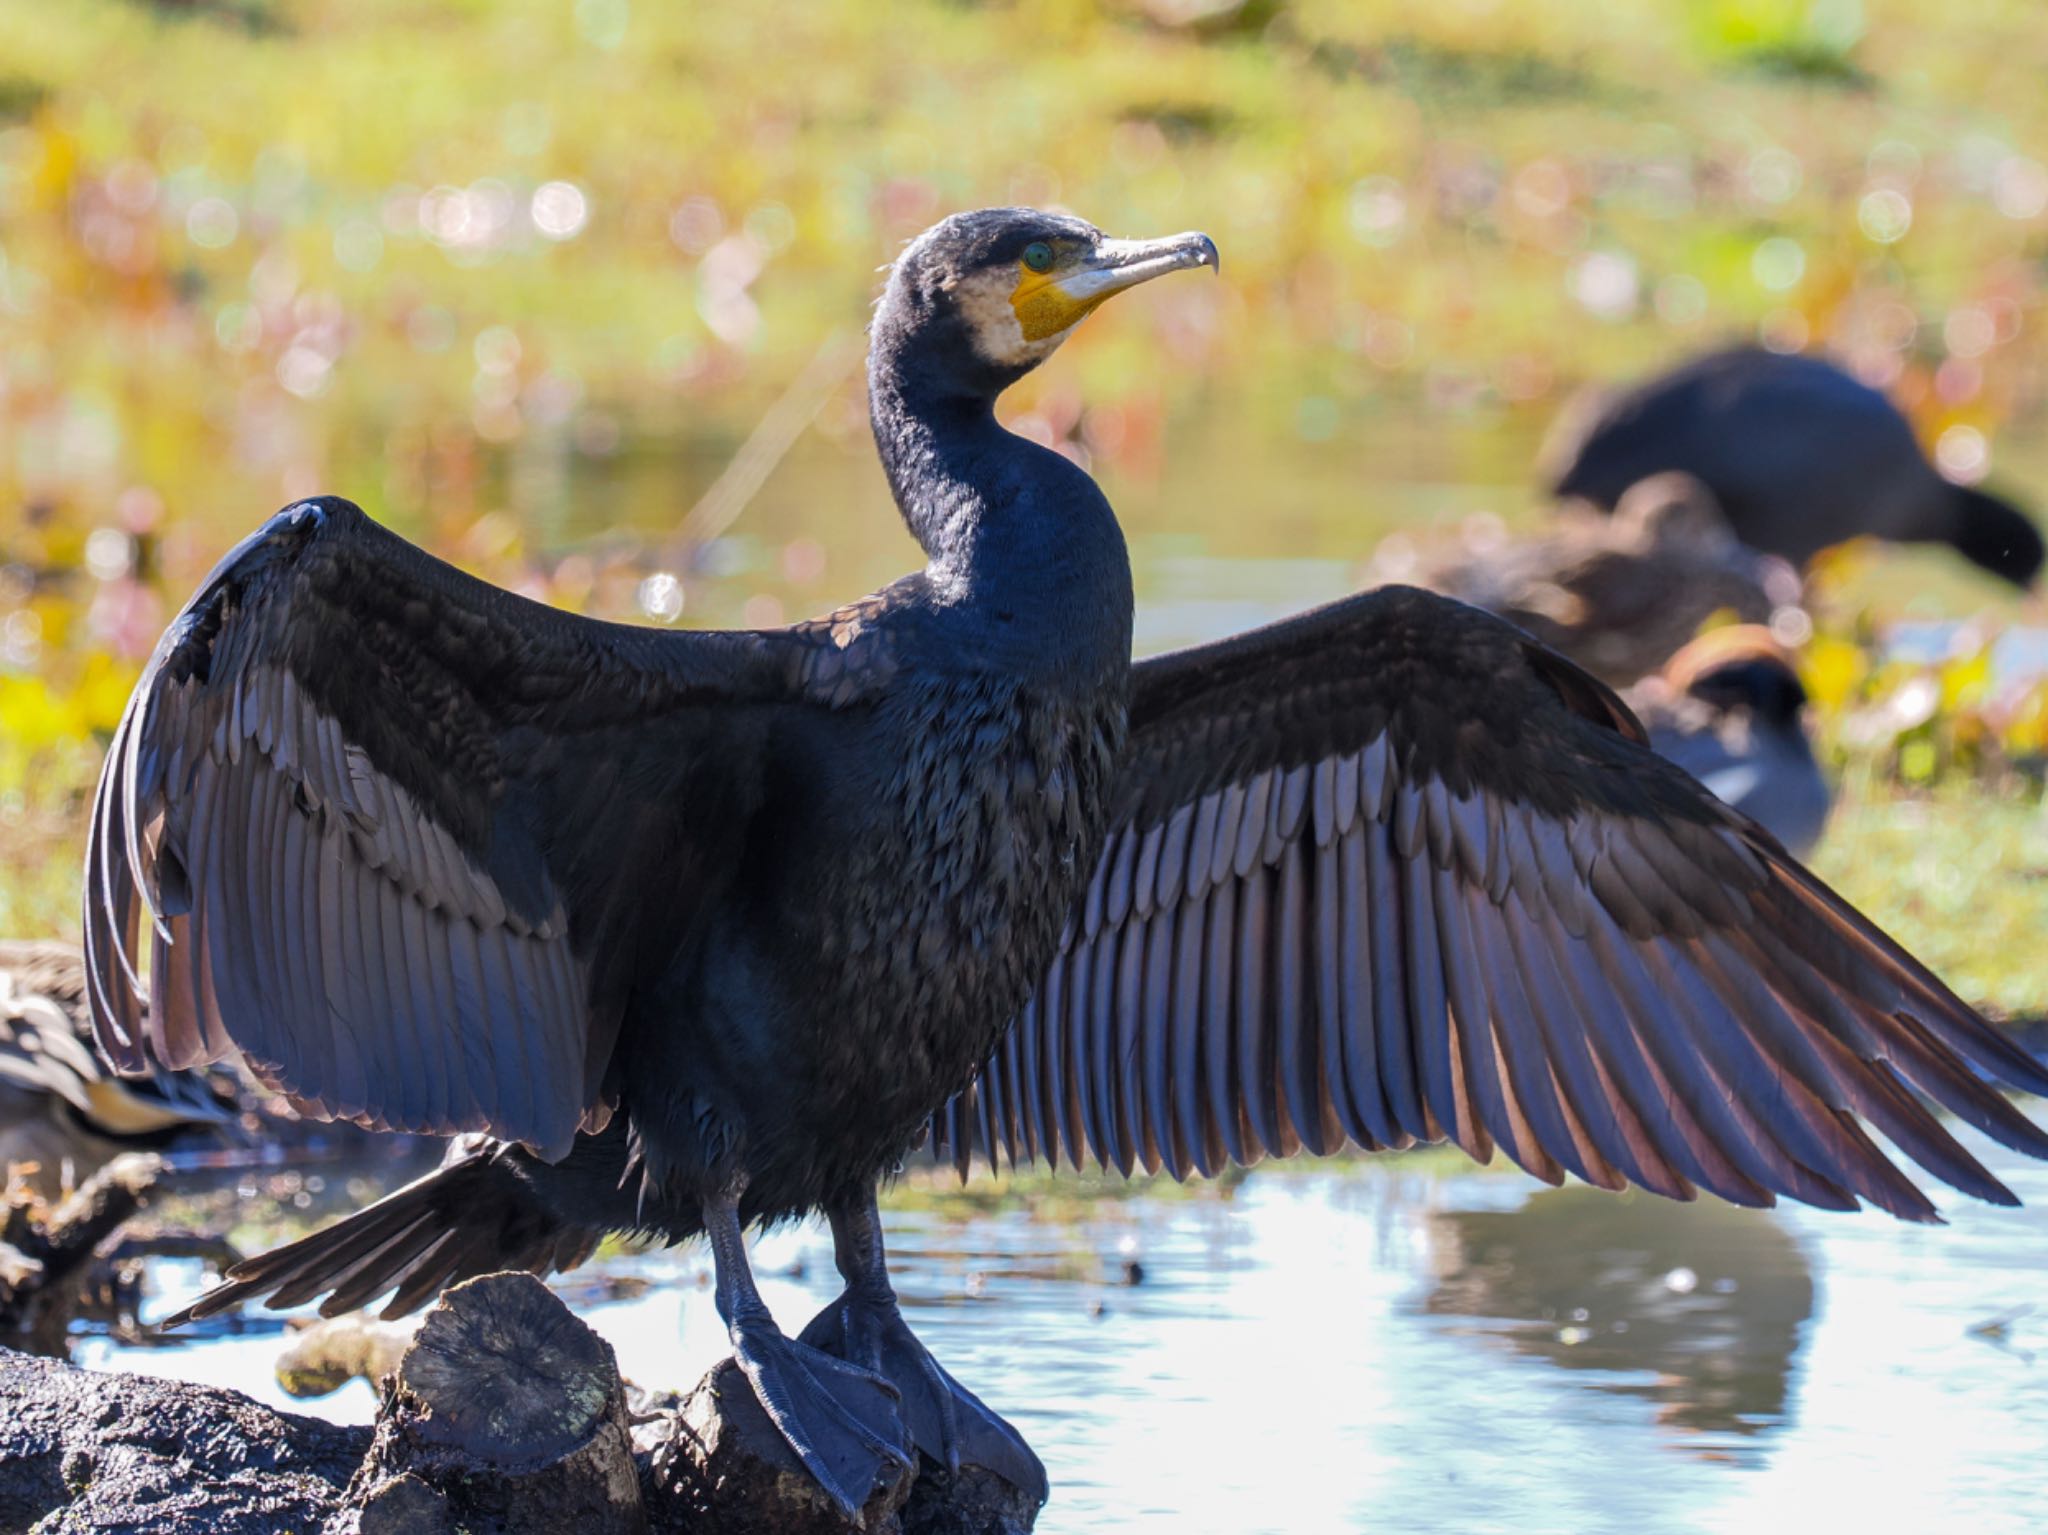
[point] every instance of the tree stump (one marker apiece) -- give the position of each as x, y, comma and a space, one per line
511, 1412
724, 1469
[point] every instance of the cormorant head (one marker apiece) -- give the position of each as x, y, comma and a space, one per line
980, 299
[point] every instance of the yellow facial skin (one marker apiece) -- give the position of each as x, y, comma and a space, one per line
1042, 308
1049, 303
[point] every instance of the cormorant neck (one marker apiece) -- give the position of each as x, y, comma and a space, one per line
1021, 530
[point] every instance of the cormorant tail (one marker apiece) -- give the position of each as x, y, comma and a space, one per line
473, 1215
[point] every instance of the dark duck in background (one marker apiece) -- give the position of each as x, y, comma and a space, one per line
701, 929
1800, 455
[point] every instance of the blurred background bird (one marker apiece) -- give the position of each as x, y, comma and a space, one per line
1729, 708
64, 1112
1800, 454
1618, 594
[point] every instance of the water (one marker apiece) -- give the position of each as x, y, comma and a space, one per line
1406, 1343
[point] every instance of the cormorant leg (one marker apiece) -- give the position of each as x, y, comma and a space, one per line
947, 1421
844, 1423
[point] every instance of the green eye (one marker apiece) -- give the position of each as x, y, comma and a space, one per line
1038, 256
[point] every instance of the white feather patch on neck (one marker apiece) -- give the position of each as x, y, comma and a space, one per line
983, 300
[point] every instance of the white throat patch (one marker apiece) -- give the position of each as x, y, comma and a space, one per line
983, 300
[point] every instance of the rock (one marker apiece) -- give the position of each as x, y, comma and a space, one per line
505, 1416
81, 1451
725, 1470
513, 1411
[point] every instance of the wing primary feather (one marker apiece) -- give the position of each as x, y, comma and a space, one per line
1773, 1113
1466, 989
1156, 1048
1520, 1046
1016, 1122
1029, 1034
1192, 1145
1295, 1003
1351, 1050
1586, 1094
1052, 1061
1254, 1021
1076, 1092
1102, 1085
1219, 1047
1949, 1081
1724, 1161
1333, 957
1419, 973
1841, 1082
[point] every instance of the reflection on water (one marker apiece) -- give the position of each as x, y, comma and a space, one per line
1404, 1343
1697, 1308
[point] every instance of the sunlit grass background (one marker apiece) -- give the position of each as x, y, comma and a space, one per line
524, 278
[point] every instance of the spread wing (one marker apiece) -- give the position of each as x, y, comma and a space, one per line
1391, 872
405, 840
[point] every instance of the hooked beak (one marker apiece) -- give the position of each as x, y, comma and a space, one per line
1064, 296
1115, 265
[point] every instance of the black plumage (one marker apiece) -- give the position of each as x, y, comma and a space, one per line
1800, 455
704, 927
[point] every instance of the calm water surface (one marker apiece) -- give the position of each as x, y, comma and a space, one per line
1405, 1344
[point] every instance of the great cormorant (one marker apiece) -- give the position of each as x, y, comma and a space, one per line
1800, 454
60, 1108
1730, 709
704, 927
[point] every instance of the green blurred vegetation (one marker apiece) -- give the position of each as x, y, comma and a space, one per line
522, 278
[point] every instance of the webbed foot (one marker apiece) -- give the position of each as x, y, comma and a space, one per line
947, 1422
844, 1423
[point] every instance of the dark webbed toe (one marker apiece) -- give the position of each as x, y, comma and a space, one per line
947, 1422
844, 1423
